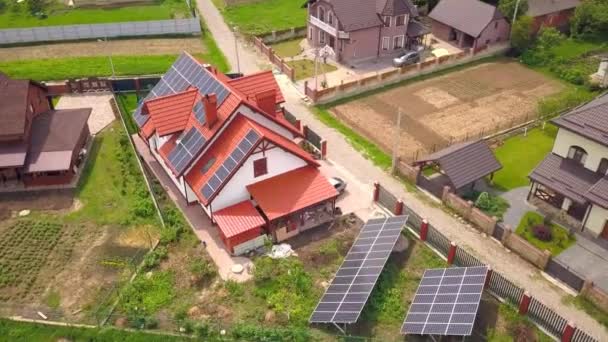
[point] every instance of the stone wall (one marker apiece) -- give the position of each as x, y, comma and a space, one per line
595, 295
483, 221
408, 172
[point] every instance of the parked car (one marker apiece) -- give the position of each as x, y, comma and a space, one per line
338, 183
406, 58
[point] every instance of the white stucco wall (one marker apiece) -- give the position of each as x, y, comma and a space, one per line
191, 195
278, 161
596, 220
595, 151
179, 183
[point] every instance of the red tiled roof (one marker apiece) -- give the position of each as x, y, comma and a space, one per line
227, 142
170, 113
291, 191
253, 84
238, 219
148, 129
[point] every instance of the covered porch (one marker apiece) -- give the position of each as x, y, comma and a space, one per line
294, 201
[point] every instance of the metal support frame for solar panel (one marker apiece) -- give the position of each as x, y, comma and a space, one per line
446, 302
352, 285
233, 159
183, 73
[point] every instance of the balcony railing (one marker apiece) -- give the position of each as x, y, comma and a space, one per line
328, 28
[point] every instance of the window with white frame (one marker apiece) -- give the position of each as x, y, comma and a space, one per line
387, 21
398, 42
386, 42
400, 20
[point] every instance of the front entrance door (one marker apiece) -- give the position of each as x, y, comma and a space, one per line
332, 42
604, 234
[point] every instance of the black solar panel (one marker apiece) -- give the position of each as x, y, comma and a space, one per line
349, 290
215, 181
446, 302
182, 74
199, 112
187, 147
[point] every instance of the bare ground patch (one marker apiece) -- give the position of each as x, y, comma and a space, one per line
459, 106
94, 48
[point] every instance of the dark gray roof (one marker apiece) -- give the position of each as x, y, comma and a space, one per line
541, 7
54, 136
12, 154
565, 176
13, 105
396, 7
468, 16
355, 14
465, 163
589, 120
598, 193
417, 29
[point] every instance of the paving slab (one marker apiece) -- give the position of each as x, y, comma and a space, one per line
102, 114
587, 259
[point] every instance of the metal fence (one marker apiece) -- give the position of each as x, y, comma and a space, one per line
463, 258
504, 288
438, 241
564, 274
387, 199
188, 26
312, 137
546, 317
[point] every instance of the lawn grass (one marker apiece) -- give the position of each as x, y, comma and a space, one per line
561, 238
33, 332
260, 17
591, 308
59, 14
127, 103
305, 68
288, 48
520, 154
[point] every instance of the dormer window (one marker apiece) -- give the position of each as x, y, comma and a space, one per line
321, 13
400, 20
602, 169
578, 154
387, 21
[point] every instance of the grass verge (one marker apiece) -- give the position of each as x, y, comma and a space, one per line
270, 15
520, 154
561, 239
288, 48
590, 308
305, 68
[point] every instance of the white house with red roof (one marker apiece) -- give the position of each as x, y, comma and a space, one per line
227, 146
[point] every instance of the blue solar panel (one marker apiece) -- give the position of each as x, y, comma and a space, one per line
182, 74
199, 112
244, 146
187, 148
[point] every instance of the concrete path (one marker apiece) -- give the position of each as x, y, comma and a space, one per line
587, 259
518, 206
198, 220
341, 153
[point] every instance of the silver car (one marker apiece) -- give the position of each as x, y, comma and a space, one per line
406, 58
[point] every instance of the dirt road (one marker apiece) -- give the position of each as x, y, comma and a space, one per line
96, 48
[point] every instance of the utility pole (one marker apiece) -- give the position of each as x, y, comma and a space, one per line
396, 141
515, 14
236, 51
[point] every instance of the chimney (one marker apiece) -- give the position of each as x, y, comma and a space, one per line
210, 103
267, 101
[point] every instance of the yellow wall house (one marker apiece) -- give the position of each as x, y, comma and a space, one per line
573, 177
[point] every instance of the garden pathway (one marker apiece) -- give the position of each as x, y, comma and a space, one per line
518, 206
340, 152
588, 259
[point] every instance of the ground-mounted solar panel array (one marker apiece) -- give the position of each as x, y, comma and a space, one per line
235, 157
446, 302
187, 147
185, 72
351, 287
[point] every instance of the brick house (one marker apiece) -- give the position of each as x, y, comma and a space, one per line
573, 178
226, 145
469, 23
359, 29
551, 13
38, 145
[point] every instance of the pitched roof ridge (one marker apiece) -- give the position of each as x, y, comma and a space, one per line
168, 96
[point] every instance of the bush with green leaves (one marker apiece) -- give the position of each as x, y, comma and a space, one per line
507, 8
522, 35
255, 333
147, 294
492, 205
202, 269
590, 18
153, 259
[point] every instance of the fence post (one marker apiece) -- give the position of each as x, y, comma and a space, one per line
376, 191
569, 330
424, 229
525, 303
452, 253
323, 149
398, 207
488, 276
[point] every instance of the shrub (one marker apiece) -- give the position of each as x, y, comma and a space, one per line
492, 205
521, 36
590, 18
154, 258
202, 269
542, 232
250, 332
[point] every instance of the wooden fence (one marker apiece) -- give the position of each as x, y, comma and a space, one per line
498, 284
274, 58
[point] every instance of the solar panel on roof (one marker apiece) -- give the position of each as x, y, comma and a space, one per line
235, 157
182, 74
446, 302
199, 112
348, 292
187, 147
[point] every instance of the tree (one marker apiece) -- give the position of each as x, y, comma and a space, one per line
507, 8
522, 35
590, 18
35, 6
